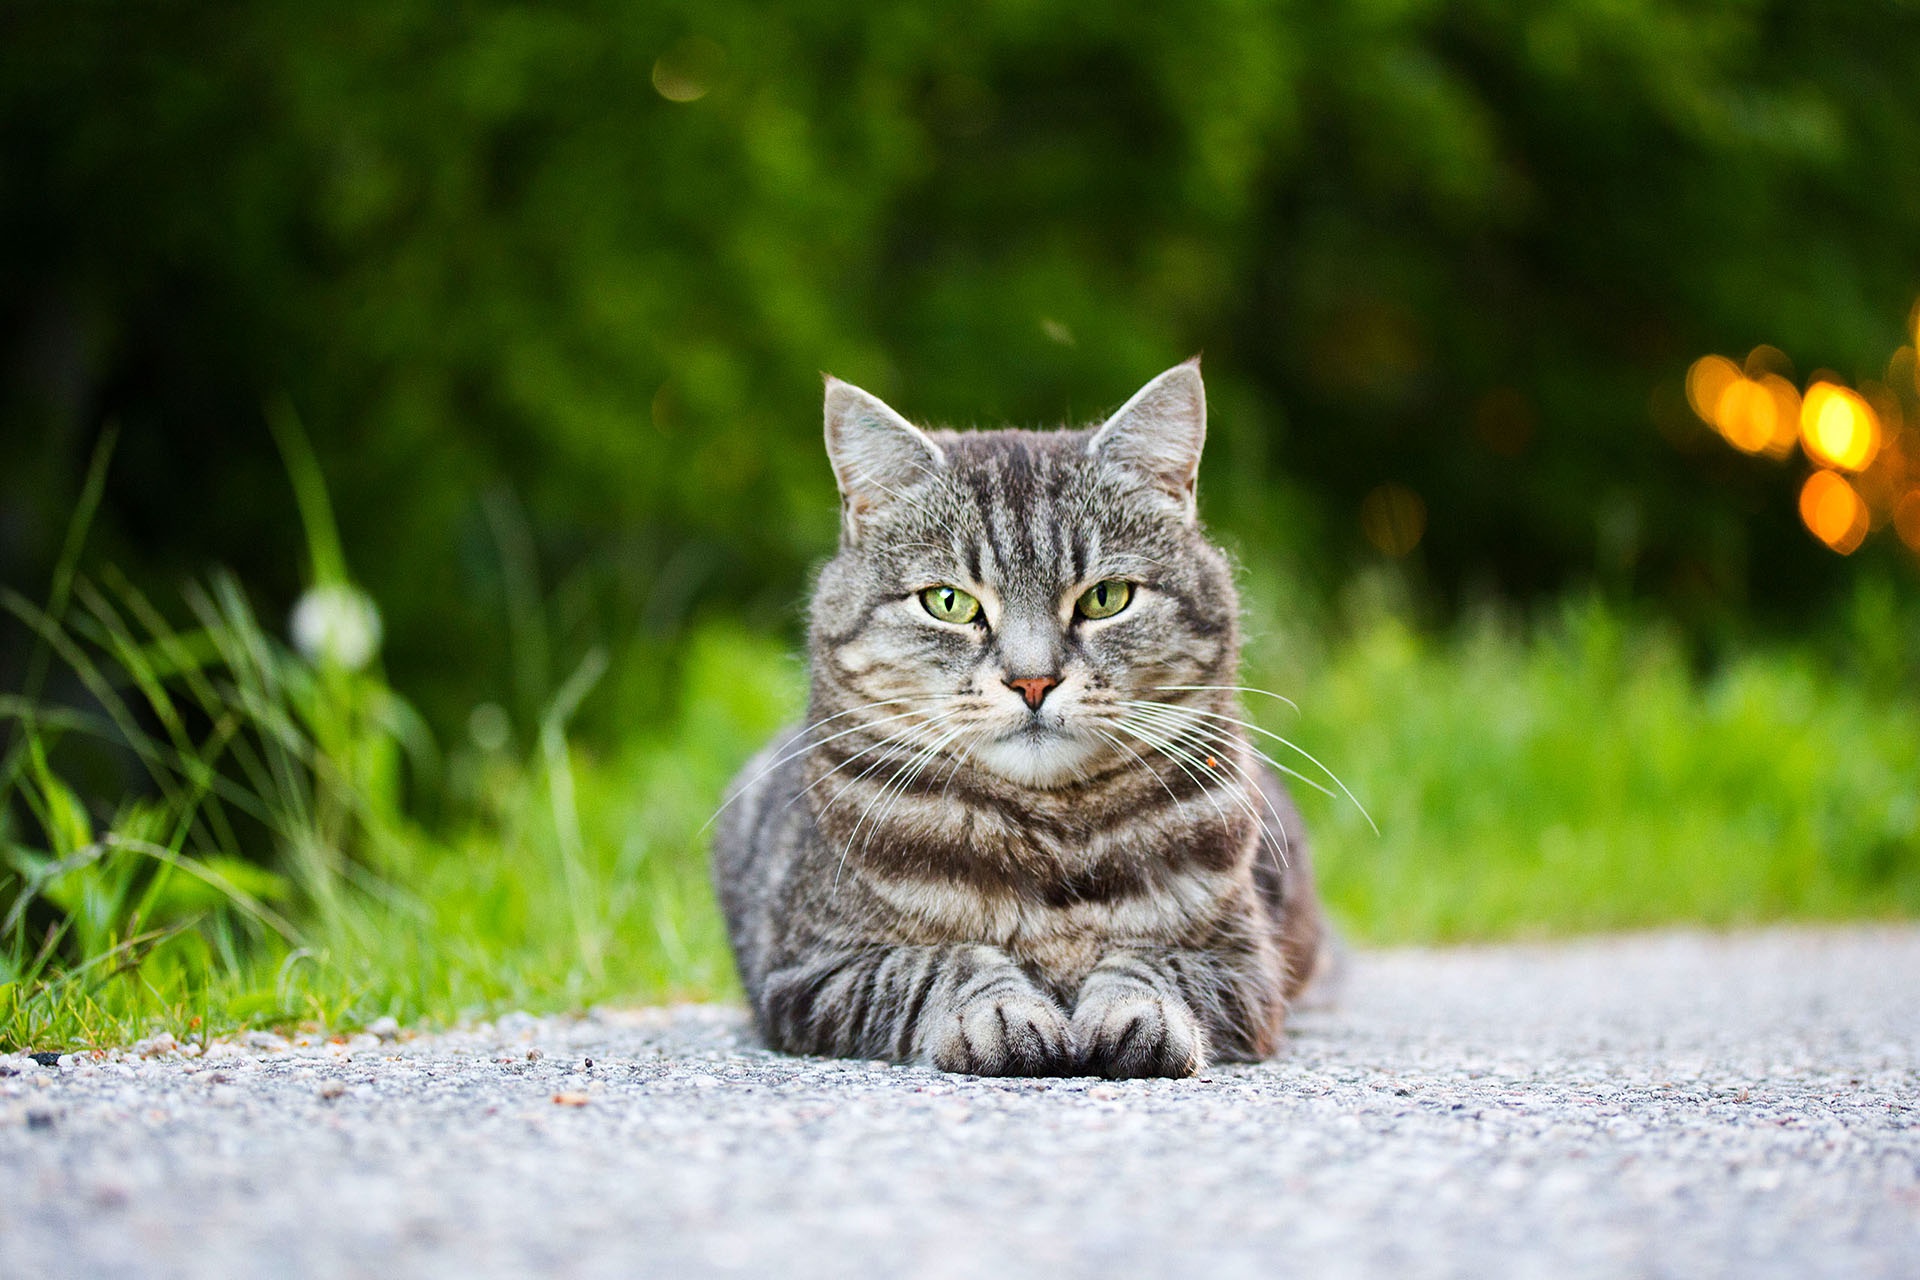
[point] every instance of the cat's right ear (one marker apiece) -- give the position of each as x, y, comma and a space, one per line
876, 454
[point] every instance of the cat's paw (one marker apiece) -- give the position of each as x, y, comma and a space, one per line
1124, 1030
1009, 1033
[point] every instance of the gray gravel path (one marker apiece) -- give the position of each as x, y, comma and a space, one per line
1671, 1104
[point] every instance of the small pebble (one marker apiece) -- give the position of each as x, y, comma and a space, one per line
157, 1046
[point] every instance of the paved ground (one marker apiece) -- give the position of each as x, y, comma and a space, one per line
1664, 1105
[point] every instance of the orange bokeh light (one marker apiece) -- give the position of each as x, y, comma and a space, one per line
1838, 427
1906, 518
1759, 415
1833, 512
1786, 415
1746, 415
1393, 518
1707, 378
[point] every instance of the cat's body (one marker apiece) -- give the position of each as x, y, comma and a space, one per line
1023, 831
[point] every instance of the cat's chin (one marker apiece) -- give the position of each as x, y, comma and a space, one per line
1047, 761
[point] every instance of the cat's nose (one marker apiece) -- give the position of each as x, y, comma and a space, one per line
1033, 689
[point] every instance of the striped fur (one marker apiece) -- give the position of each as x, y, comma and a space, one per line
930, 869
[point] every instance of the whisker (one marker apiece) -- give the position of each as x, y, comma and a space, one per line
1182, 759
1223, 746
900, 785
805, 747
1310, 757
884, 747
915, 762
1277, 766
965, 757
1301, 778
891, 740
1231, 688
1142, 759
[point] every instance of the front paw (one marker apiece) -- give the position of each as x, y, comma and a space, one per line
1017, 1033
1124, 1030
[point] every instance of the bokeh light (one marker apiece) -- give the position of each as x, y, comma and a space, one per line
686, 72
1863, 438
1906, 518
1786, 416
1833, 512
1706, 380
1756, 410
1747, 415
1393, 518
1838, 427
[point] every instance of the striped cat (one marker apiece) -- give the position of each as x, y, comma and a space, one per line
1022, 831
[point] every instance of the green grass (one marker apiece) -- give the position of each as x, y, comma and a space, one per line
1578, 776
274, 876
296, 848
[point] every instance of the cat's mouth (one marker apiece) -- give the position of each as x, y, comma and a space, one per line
1042, 751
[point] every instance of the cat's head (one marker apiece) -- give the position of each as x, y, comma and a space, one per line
1010, 600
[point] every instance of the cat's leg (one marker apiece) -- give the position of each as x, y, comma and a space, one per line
1168, 1012
963, 1008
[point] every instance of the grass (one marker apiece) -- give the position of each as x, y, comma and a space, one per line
296, 848
1578, 775
554, 878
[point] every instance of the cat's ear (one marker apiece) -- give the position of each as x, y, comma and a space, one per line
876, 454
1158, 434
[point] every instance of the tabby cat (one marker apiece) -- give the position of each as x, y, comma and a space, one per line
1022, 831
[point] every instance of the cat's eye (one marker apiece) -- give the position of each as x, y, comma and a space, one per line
950, 604
1104, 599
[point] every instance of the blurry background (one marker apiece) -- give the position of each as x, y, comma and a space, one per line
1564, 419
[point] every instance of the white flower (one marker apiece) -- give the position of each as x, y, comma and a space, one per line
337, 624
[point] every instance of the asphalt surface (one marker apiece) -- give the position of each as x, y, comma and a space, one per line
1662, 1105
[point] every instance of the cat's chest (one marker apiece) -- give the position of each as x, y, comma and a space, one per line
1063, 938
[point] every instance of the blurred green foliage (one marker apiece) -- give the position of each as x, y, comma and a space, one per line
551, 284
1576, 776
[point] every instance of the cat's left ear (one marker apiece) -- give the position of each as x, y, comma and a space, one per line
877, 455
1158, 434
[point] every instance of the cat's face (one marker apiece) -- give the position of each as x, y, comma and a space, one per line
1016, 601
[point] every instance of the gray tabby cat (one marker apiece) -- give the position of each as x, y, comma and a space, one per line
1022, 832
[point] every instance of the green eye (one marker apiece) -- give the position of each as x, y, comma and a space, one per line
1104, 599
950, 604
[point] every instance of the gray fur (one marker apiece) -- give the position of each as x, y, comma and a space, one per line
932, 869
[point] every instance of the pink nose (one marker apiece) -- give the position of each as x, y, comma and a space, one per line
1033, 689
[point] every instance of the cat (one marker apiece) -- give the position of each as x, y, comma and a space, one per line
1022, 831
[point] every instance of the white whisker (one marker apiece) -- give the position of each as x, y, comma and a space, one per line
911, 769
741, 788
1310, 757
1223, 748
1227, 736
1183, 758
1229, 688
